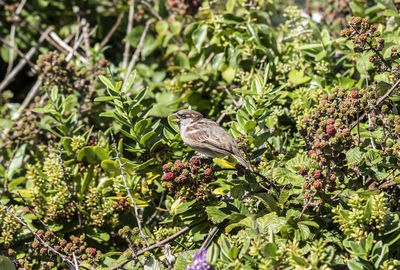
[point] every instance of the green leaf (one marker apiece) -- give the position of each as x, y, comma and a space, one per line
212, 254
145, 139
106, 82
162, 27
93, 154
199, 36
142, 125
16, 161
105, 98
184, 260
354, 265
297, 77
54, 93
6, 263
233, 252
225, 247
87, 179
228, 74
270, 250
354, 155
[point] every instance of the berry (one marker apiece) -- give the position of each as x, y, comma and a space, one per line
319, 202
195, 161
372, 28
394, 49
208, 171
317, 174
363, 37
317, 184
311, 153
178, 165
372, 59
165, 168
169, 176
330, 121
307, 185
331, 130
303, 171
354, 94
92, 251
332, 177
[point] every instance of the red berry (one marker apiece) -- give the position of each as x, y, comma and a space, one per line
195, 161
330, 121
372, 59
332, 177
319, 202
363, 37
173, 2
92, 251
394, 49
75, 240
354, 94
165, 168
331, 130
317, 174
307, 11
319, 7
195, 3
303, 171
208, 171
324, 101
317, 184
169, 176
141, 11
307, 185
311, 152
179, 165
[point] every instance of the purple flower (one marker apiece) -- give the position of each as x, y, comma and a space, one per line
199, 261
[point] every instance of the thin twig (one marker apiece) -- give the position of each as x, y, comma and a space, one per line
21, 54
20, 220
23, 62
152, 10
295, 35
128, 30
128, 190
154, 246
64, 45
378, 102
34, 212
139, 48
12, 36
306, 205
112, 30
210, 237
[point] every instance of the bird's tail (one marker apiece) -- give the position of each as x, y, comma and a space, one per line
242, 161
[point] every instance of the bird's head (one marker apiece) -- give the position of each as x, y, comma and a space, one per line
186, 116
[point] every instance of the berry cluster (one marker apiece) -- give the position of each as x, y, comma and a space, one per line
365, 38
189, 179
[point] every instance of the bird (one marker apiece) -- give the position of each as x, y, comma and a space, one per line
207, 137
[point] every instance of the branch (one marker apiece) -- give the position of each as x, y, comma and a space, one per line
154, 246
128, 30
152, 10
210, 237
64, 45
63, 257
128, 190
21, 54
23, 62
112, 30
139, 48
379, 101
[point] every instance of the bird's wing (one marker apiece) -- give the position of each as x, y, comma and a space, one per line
207, 132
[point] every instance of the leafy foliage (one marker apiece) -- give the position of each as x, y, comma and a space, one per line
95, 170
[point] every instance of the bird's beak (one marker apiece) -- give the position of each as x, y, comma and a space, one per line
177, 119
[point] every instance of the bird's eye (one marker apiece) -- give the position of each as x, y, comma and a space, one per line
182, 116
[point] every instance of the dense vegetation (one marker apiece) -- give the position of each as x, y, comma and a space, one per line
94, 174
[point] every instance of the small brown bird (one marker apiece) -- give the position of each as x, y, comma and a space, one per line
207, 137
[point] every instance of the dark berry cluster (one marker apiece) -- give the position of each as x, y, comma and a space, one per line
189, 179
366, 38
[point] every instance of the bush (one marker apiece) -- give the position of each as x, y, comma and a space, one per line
94, 173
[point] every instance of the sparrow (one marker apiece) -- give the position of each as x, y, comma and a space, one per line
207, 137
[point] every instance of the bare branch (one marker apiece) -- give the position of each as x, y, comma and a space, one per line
128, 30
64, 45
20, 220
23, 62
128, 190
112, 30
152, 10
139, 48
154, 246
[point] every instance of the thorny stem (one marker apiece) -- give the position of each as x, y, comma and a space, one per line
64, 258
128, 190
